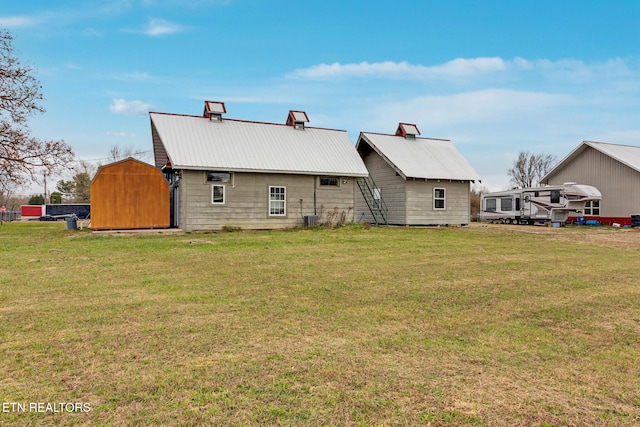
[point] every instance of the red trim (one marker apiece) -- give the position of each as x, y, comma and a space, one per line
605, 220
389, 134
401, 131
242, 121
224, 109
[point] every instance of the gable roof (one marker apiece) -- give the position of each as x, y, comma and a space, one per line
195, 142
628, 155
138, 164
424, 158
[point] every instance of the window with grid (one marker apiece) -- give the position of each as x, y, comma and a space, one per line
277, 201
592, 208
329, 181
439, 198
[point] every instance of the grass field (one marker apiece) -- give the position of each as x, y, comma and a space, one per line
476, 326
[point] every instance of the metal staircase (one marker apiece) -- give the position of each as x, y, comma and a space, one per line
377, 206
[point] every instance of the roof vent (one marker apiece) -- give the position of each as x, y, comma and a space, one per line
214, 110
407, 130
297, 119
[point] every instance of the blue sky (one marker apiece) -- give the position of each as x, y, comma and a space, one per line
495, 77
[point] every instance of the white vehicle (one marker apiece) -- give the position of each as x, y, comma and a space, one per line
552, 203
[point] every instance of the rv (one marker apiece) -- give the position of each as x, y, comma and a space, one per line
539, 204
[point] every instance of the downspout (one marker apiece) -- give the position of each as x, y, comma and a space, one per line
315, 200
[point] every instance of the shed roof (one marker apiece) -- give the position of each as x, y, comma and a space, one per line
195, 142
425, 158
626, 154
149, 169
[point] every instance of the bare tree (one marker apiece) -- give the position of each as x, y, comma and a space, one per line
528, 169
21, 155
119, 153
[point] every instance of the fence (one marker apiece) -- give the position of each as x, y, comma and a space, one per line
9, 216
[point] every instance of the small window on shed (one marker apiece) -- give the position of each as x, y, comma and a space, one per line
329, 181
218, 177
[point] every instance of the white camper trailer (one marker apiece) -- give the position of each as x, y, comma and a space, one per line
530, 205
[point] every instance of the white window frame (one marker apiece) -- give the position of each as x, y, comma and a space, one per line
377, 198
443, 198
589, 208
224, 194
275, 203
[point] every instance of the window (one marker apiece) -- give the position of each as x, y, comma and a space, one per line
376, 198
329, 181
218, 177
490, 205
592, 208
555, 196
506, 204
217, 194
438, 198
277, 201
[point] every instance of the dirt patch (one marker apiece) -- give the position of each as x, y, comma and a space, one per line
599, 235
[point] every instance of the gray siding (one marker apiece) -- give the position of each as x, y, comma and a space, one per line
411, 202
420, 210
392, 190
618, 183
247, 201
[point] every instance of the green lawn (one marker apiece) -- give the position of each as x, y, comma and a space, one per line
476, 326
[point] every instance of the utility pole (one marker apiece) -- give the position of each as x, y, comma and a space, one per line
45, 187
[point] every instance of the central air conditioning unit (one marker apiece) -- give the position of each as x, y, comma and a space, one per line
310, 220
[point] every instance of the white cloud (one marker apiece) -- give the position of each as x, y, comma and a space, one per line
457, 68
130, 108
482, 106
469, 69
160, 27
18, 21
120, 134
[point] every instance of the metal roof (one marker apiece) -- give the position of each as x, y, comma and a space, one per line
420, 157
626, 154
193, 142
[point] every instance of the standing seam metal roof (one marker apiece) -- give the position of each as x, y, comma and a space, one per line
626, 154
421, 157
195, 142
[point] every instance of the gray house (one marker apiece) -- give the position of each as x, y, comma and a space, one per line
245, 174
413, 180
611, 168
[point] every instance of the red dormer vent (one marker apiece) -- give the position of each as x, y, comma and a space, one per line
297, 119
214, 110
407, 131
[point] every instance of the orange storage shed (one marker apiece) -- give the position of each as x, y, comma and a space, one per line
129, 194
